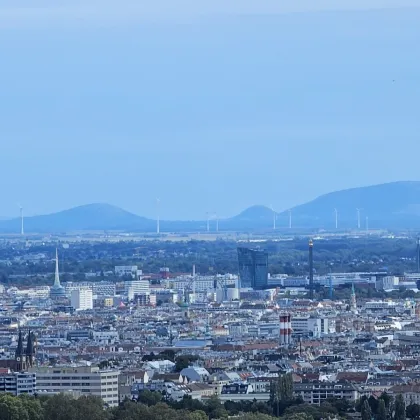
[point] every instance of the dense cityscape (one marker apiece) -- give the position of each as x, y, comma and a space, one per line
235, 335
210, 210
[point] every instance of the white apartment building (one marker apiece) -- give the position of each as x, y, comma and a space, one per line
18, 383
387, 283
201, 283
306, 325
82, 299
136, 287
106, 336
99, 288
86, 380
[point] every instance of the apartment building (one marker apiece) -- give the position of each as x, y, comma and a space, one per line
86, 380
317, 392
17, 383
82, 299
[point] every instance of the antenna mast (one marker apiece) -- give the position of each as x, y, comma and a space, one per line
274, 218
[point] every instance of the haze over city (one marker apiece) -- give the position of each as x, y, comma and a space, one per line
210, 106
210, 210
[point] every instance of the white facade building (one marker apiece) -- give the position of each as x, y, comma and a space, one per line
18, 383
99, 288
306, 325
82, 299
86, 380
127, 270
136, 287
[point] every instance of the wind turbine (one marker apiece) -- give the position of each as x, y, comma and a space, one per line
274, 217
358, 217
22, 230
336, 218
157, 216
217, 222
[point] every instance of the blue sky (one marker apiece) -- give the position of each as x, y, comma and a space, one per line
210, 106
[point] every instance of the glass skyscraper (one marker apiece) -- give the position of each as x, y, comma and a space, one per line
253, 268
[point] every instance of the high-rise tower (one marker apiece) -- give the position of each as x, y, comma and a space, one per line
353, 303
253, 268
311, 269
418, 255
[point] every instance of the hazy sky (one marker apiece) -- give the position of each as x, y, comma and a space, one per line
208, 105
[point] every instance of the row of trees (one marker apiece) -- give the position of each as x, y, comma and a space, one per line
63, 407
154, 406
385, 408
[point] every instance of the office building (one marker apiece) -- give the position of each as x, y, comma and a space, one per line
82, 299
86, 380
253, 268
134, 288
99, 289
311, 326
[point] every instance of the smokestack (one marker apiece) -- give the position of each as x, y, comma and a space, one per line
289, 330
311, 269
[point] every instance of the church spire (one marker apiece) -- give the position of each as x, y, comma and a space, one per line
30, 349
57, 273
19, 355
19, 348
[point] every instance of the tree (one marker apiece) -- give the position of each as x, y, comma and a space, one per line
366, 411
149, 398
60, 407
184, 361
413, 411
399, 408
303, 409
373, 403
32, 406
131, 411
298, 416
90, 407
12, 408
197, 415
255, 416
215, 409
340, 404
281, 390
381, 415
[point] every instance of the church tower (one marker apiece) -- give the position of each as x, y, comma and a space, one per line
20, 358
30, 350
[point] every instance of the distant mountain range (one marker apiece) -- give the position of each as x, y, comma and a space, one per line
392, 205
